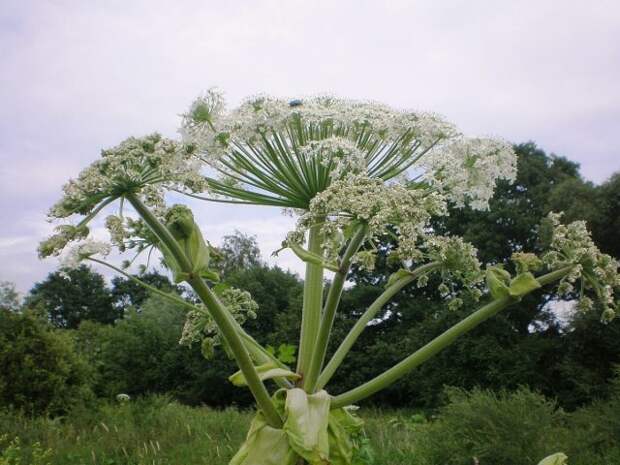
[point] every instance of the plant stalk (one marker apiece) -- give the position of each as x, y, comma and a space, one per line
312, 303
367, 316
331, 305
436, 345
222, 317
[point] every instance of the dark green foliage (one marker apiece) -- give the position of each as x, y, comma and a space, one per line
278, 294
69, 297
607, 225
589, 353
142, 355
517, 428
40, 372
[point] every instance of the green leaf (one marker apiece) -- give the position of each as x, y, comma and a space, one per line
555, 459
497, 282
523, 284
306, 424
266, 371
286, 353
342, 428
180, 222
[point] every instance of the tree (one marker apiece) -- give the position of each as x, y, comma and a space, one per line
607, 224
40, 371
71, 296
237, 252
9, 297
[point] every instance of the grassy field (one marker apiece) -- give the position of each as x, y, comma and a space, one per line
517, 428
157, 432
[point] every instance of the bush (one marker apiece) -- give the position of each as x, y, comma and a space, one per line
518, 428
595, 430
40, 372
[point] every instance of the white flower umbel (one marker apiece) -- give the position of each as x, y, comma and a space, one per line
201, 328
385, 208
467, 169
283, 152
79, 252
598, 272
146, 165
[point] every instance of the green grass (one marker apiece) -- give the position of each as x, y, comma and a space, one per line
505, 428
156, 431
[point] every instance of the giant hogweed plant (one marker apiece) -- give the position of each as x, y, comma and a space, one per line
352, 172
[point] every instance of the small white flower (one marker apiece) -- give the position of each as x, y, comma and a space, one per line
73, 257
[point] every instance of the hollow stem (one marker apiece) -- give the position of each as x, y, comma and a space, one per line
224, 320
312, 303
436, 345
331, 305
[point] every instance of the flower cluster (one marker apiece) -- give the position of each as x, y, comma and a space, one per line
466, 170
208, 125
201, 328
144, 165
74, 256
65, 233
280, 152
572, 245
458, 259
339, 155
384, 208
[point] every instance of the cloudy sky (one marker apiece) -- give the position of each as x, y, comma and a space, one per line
76, 76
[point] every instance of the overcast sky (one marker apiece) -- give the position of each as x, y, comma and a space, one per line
77, 76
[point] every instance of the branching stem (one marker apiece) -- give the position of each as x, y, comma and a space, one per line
366, 318
331, 305
224, 320
436, 345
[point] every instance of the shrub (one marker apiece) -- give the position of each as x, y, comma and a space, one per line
517, 428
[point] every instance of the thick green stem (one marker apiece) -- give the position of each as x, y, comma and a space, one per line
436, 345
312, 303
331, 305
258, 352
366, 317
224, 320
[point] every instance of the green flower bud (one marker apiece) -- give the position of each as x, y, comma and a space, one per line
180, 222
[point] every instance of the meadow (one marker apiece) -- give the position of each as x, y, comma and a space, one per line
476, 427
